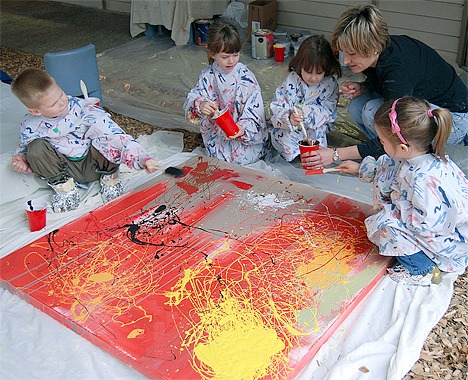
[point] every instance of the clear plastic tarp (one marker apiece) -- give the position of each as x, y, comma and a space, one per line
148, 79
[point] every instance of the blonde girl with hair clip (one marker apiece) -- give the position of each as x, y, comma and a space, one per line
421, 195
228, 83
309, 95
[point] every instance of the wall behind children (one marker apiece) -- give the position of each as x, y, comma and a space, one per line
447, 19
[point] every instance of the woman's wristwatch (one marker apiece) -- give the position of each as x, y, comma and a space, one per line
336, 157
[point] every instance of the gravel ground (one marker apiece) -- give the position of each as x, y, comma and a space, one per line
445, 352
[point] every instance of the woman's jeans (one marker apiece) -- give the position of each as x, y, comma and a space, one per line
363, 108
417, 264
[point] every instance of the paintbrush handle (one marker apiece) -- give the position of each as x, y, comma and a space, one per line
301, 124
306, 138
321, 171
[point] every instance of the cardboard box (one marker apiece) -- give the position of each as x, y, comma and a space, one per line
264, 12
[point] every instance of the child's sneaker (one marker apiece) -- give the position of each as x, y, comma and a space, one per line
401, 275
66, 197
111, 187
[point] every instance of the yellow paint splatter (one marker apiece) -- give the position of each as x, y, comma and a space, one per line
90, 289
134, 333
239, 345
101, 277
179, 291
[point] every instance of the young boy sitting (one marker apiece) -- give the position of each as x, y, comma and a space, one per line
66, 140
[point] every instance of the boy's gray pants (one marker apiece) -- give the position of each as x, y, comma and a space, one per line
47, 162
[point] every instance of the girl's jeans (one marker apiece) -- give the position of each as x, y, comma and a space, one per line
363, 108
417, 264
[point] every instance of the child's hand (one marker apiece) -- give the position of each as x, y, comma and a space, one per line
238, 134
20, 164
151, 166
296, 117
208, 108
350, 167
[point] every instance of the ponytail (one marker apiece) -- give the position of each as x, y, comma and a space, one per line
443, 119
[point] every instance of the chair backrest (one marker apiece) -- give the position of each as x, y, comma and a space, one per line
71, 66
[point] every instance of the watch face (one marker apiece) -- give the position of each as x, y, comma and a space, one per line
335, 155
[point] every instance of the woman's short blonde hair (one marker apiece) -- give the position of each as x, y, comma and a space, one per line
361, 30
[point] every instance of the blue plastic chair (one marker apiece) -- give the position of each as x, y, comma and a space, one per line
71, 66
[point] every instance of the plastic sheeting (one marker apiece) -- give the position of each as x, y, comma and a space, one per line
148, 79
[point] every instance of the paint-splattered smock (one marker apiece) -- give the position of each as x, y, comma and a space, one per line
423, 205
318, 104
238, 91
84, 125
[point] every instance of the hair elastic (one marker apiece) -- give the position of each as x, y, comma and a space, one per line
429, 113
393, 119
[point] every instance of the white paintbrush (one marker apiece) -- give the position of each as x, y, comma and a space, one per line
301, 124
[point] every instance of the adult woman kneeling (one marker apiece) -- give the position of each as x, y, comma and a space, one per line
394, 66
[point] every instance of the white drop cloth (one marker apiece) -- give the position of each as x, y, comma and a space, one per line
385, 333
175, 15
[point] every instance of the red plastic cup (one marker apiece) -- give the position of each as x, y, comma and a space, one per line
305, 147
226, 122
95, 101
279, 52
36, 211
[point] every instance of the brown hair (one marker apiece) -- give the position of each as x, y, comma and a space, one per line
222, 38
361, 30
315, 52
30, 85
420, 126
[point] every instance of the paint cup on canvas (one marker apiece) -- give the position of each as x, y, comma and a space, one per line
36, 211
279, 52
305, 147
226, 122
95, 101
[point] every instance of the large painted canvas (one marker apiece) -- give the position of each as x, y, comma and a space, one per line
224, 272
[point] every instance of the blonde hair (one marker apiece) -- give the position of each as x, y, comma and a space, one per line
222, 38
315, 52
420, 126
31, 85
361, 30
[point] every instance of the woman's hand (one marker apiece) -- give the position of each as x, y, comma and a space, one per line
317, 159
151, 166
208, 108
20, 164
350, 167
351, 89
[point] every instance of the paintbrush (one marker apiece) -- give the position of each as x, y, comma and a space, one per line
176, 172
321, 171
301, 124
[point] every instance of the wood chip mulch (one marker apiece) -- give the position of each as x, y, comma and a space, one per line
445, 352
